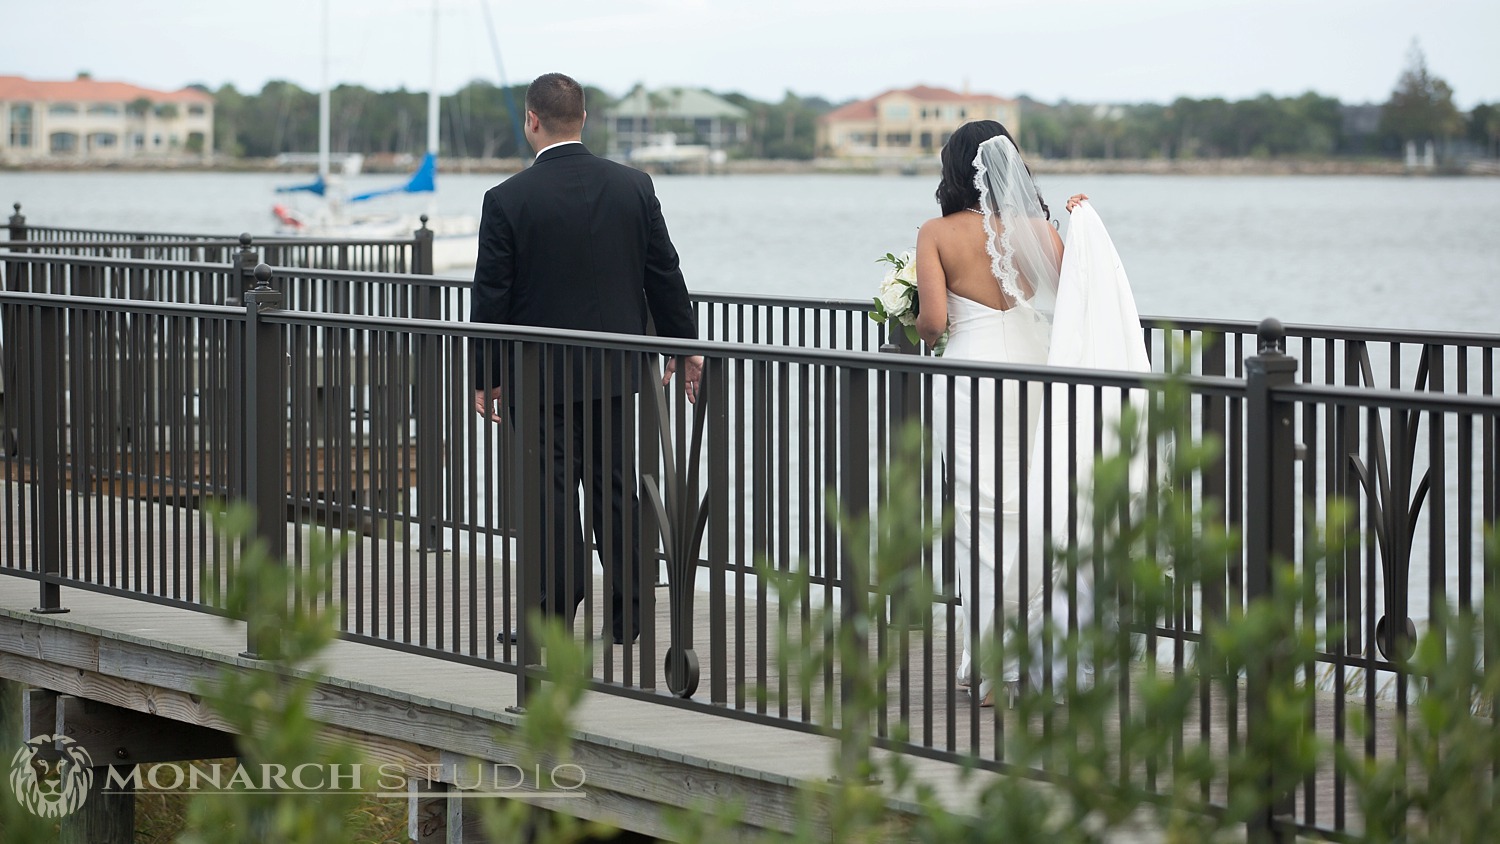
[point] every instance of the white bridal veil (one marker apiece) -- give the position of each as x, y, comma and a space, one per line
1023, 246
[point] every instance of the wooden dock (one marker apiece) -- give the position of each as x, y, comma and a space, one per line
639, 758
642, 755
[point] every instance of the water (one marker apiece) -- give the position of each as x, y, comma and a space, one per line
1343, 250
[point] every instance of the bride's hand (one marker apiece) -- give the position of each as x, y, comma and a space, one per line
1076, 200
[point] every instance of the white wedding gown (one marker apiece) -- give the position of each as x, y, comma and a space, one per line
1095, 324
981, 501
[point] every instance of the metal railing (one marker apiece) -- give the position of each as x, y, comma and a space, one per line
1328, 355
383, 255
126, 416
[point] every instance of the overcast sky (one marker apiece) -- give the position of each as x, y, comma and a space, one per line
1081, 50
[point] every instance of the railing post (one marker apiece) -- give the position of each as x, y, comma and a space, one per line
896, 340
902, 399
264, 384
1270, 537
245, 260
854, 573
525, 497
17, 224
44, 451
421, 251
427, 303
9, 363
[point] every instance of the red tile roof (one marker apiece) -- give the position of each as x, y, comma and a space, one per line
865, 109
19, 88
930, 94
862, 110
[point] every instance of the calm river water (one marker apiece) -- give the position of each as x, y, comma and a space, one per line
1347, 250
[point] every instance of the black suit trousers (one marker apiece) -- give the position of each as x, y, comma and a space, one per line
584, 443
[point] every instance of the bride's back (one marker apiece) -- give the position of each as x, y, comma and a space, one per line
953, 254
960, 241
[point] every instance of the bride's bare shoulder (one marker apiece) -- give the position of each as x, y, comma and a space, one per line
953, 229
935, 225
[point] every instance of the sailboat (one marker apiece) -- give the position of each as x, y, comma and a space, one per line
455, 237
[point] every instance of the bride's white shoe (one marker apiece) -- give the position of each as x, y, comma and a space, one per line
1010, 689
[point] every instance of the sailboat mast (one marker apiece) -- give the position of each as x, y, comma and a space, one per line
432, 93
324, 112
516, 117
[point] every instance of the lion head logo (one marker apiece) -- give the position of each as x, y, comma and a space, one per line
48, 788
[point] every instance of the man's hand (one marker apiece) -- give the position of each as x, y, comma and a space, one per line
487, 404
692, 373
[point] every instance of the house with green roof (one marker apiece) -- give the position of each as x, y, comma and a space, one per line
690, 115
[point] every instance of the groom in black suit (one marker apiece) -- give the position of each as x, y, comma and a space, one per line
578, 242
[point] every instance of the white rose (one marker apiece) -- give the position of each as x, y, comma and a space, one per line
893, 297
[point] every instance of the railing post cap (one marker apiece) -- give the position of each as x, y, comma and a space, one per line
262, 296
17, 218
423, 218
1271, 337
245, 240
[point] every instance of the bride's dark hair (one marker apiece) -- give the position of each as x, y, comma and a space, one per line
956, 191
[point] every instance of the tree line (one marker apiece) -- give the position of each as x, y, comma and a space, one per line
1419, 109
480, 121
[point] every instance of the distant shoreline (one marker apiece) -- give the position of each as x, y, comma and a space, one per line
926, 167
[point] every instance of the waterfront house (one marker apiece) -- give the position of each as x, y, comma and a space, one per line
87, 119
692, 116
907, 123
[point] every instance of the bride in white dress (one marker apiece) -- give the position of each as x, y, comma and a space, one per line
987, 273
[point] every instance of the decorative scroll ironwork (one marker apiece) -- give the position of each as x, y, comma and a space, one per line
1396, 506
682, 519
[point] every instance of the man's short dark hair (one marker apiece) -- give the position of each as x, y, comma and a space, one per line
558, 101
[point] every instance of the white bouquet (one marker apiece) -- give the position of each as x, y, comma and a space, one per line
898, 298
898, 293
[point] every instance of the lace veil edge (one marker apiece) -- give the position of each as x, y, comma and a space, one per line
1013, 242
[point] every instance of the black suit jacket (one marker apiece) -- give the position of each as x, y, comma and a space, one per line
577, 242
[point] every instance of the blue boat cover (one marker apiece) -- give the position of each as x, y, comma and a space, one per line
422, 181
318, 187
